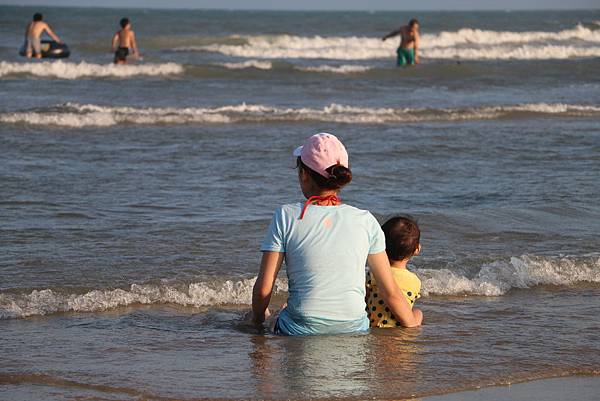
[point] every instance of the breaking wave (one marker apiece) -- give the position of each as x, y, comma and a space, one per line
525, 52
498, 278
494, 279
336, 69
258, 64
268, 65
48, 301
465, 43
67, 70
88, 115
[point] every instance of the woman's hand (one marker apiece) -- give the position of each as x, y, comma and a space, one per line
391, 294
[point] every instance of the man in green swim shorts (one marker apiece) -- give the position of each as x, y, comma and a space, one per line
409, 46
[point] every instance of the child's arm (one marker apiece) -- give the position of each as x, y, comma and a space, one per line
51, 33
392, 34
134, 45
391, 294
417, 45
263, 288
115, 39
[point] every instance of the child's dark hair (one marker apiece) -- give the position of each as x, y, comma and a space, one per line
402, 237
413, 22
340, 176
37, 17
124, 22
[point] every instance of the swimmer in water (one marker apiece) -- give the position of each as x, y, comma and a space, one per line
33, 34
408, 52
123, 41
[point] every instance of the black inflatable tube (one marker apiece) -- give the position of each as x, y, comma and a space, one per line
51, 49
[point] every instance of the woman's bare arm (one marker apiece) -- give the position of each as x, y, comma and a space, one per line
263, 288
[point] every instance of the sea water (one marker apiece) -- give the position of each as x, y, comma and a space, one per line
133, 199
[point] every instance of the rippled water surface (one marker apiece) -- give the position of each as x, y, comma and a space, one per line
133, 200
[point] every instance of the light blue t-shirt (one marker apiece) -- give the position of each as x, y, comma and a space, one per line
325, 254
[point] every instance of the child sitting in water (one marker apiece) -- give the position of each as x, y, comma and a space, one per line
402, 236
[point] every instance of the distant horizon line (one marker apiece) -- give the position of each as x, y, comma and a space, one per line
301, 10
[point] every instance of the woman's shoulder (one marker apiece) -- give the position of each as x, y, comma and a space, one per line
288, 209
358, 212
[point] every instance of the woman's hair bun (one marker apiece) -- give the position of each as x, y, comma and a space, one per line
339, 176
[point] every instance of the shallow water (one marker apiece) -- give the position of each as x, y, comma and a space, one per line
134, 200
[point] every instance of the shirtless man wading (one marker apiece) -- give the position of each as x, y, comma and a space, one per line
33, 35
409, 46
125, 39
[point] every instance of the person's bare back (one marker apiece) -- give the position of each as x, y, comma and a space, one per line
33, 34
124, 40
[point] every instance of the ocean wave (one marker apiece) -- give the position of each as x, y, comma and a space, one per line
467, 36
494, 279
336, 69
498, 278
475, 43
527, 52
68, 70
88, 115
48, 301
258, 64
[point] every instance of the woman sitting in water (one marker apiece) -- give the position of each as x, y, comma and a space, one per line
326, 245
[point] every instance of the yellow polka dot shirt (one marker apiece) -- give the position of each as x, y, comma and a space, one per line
379, 314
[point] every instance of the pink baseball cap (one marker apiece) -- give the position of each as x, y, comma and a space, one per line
322, 151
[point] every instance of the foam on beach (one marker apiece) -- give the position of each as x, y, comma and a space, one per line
494, 279
76, 115
67, 70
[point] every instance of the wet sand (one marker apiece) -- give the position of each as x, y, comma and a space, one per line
559, 389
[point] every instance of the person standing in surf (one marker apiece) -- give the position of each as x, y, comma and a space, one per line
123, 41
326, 245
33, 35
408, 51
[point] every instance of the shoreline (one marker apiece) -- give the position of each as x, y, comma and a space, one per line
581, 388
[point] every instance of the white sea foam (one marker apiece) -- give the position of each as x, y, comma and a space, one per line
498, 278
258, 64
67, 70
316, 47
336, 69
88, 115
507, 52
485, 37
494, 279
47, 301
466, 43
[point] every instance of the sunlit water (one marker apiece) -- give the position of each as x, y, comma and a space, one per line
133, 200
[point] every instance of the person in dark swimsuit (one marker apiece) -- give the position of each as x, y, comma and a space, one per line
125, 40
121, 55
